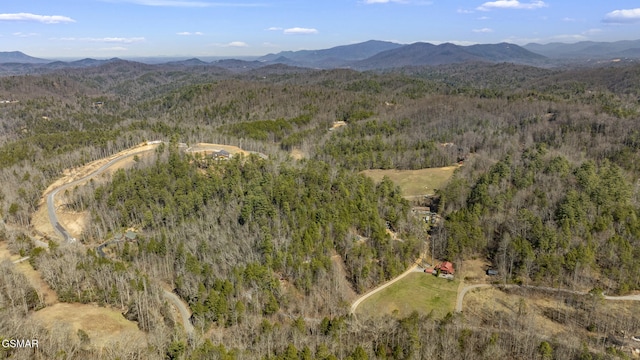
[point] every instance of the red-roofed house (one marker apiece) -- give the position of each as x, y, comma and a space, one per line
446, 268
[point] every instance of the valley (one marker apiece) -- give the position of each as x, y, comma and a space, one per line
263, 210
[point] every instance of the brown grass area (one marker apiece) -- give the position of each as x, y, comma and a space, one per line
74, 222
486, 302
473, 271
50, 297
103, 325
5, 253
415, 182
40, 222
345, 287
337, 124
297, 154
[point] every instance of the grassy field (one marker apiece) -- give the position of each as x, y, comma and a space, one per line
101, 324
418, 291
415, 182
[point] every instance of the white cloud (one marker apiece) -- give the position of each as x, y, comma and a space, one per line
568, 19
274, 28
119, 40
523, 41
300, 31
45, 19
187, 33
484, 18
384, 1
234, 44
568, 38
511, 4
186, 3
408, 2
465, 11
106, 39
565, 38
623, 16
23, 35
115, 48
483, 30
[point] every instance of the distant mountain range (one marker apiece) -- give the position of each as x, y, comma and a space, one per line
20, 58
588, 50
339, 56
370, 55
420, 54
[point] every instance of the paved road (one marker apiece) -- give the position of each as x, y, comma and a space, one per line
468, 288
51, 208
185, 314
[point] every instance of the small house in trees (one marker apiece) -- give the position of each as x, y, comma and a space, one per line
425, 213
221, 155
446, 268
130, 235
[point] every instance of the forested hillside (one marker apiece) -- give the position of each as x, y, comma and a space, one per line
269, 252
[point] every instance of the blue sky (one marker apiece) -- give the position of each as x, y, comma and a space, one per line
132, 28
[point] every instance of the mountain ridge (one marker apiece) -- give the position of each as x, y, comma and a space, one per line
368, 55
7, 57
586, 49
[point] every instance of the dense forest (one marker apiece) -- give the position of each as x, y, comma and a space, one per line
269, 252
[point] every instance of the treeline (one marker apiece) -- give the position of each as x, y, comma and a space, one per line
267, 130
542, 218
241, 227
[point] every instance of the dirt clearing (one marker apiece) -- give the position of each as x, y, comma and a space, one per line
5, 253
341, 279
415, 182
47, 294
35, 280
297, 154
206, 147
103, 325
337, 124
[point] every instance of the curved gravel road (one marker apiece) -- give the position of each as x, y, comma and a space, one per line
185, 313
464, 292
